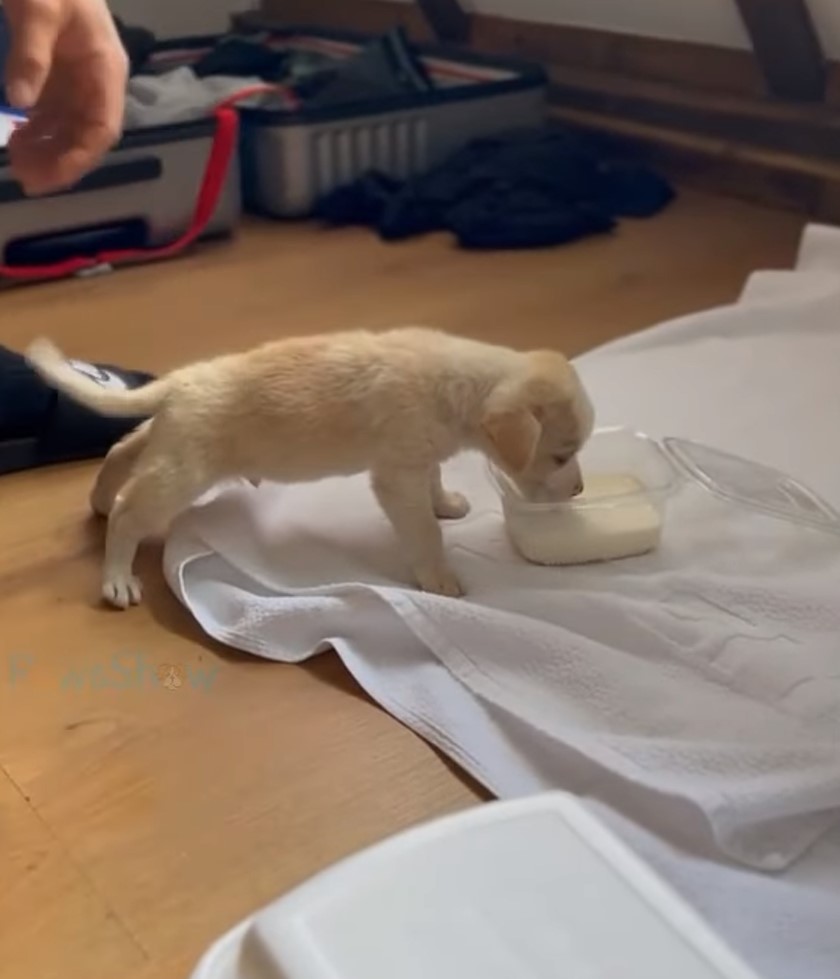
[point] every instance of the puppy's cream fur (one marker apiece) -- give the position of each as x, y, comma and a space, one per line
394, 404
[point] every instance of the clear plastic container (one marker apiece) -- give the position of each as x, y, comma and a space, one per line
535, 888
629, 479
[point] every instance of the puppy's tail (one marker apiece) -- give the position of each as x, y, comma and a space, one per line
52, 366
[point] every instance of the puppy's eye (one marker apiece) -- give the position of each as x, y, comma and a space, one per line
561, 460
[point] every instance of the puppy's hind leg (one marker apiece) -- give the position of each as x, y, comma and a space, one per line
406, 498
145, 507
447, 505
116, 469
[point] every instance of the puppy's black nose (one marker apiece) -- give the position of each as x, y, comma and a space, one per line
578, 488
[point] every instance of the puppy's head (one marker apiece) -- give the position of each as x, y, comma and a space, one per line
535, 423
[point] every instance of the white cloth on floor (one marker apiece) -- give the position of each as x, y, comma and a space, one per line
178, 96
696, 691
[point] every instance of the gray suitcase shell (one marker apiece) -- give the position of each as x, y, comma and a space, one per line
290, 160
142, 196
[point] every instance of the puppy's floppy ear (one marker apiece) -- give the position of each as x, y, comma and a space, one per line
514, 435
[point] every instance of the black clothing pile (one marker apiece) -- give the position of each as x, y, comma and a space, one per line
139, 43
527, 189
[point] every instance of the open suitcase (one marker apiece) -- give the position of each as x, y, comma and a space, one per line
293, 157
160, 190
165, 187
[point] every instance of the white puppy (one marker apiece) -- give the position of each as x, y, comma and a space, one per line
394, 404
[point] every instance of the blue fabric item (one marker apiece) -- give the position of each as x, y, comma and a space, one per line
5, 45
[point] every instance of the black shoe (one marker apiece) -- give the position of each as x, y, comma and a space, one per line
40, 426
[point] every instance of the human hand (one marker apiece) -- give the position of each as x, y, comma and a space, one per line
68, 70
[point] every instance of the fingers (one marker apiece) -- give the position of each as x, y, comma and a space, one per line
35, 25
108, 86
47, 161
95, 127
43, 168
78, 118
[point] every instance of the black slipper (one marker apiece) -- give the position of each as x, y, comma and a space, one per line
41, 427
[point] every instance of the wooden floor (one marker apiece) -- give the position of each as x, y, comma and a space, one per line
136, 822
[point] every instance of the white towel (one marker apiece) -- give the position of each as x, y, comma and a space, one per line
697, 690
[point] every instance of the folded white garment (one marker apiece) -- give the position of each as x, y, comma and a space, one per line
695, 691
178, 96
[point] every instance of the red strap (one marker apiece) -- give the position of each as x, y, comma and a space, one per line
286, 95
212, 184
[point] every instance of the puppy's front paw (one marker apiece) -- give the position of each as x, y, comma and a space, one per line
452, 506
441, 582
122, 591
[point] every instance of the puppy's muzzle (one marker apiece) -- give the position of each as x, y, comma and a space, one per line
567, 483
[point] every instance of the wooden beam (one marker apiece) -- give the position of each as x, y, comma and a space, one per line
808, 187
811, 131
366, 16
787, 46
693, 66
447, 19
426, 19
